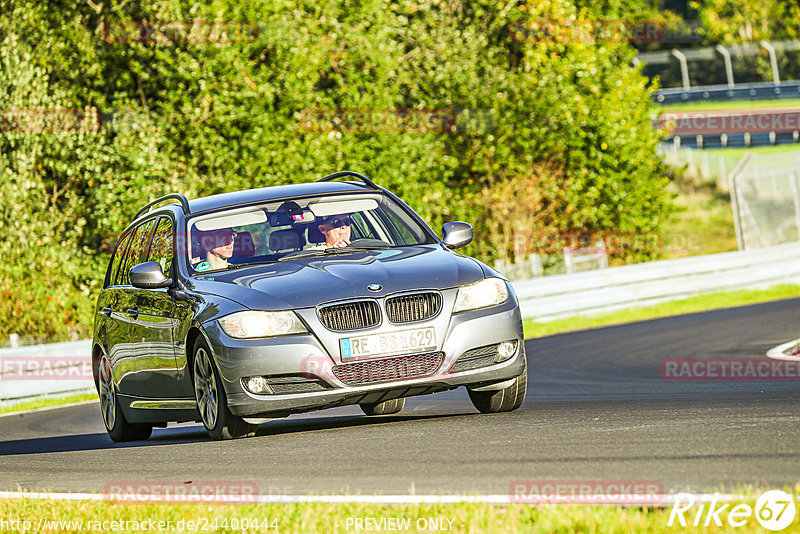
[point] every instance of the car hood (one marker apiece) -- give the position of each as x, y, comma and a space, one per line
307, 282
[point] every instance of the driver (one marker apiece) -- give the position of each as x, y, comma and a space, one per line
336, 229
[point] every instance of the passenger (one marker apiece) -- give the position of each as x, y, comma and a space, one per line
336, 229
218, 248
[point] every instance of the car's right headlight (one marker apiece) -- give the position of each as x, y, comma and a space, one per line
250, 324
487, 292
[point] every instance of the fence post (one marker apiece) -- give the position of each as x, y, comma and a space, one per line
728, 66
795, 199
734, 191
684, 67
773, 60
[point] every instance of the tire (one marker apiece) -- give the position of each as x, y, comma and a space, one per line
383, 408
212, 403
503, 400
118, 428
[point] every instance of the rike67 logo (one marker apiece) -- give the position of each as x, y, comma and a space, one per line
775, 510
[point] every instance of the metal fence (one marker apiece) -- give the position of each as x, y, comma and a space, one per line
765, 195
764, 187
710, 165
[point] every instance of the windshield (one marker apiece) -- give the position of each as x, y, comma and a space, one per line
299, 228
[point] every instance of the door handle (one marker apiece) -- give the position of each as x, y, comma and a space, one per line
107, 311
133, 312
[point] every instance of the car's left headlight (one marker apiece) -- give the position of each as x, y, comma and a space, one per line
487, 292
249, 324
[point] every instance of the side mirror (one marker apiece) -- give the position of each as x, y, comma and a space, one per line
148, 275
456, 234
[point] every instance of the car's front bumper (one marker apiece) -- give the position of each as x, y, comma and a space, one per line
307, 355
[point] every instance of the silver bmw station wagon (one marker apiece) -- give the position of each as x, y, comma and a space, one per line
243, 307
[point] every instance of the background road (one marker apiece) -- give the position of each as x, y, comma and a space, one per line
596, 409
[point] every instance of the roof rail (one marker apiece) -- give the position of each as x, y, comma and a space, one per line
175, 196
340, 174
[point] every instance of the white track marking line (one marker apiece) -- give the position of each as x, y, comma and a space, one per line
666, 500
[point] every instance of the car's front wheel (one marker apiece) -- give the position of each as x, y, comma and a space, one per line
212, 403
501, 400
383, 408
118, 428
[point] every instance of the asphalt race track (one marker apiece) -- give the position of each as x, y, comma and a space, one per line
596, 409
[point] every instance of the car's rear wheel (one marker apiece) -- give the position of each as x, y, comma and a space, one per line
212, 403
118, 428
502, 400
383, 408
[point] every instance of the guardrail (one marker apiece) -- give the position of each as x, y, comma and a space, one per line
643, 284
541, 299
716, 93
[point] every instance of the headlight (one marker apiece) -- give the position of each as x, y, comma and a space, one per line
487, 292
248, 324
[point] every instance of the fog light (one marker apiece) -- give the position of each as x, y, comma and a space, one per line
257, 385
505, 350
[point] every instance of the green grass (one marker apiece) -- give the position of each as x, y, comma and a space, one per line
712, 301
322, 517
46, 402
734, 104
703, 220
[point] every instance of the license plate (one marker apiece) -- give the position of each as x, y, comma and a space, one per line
402, 342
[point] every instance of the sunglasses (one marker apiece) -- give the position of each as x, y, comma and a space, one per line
340, 221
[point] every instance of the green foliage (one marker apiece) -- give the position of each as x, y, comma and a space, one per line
751, 21
545, 137
748, 21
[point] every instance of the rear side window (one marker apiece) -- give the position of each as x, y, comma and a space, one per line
137, 252
119, 257
161, 248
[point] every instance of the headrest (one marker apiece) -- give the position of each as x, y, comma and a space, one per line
286, 240
314, 235
243, 244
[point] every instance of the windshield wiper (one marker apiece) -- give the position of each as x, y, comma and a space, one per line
329, 252
241, 265
345, 250
303, 254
